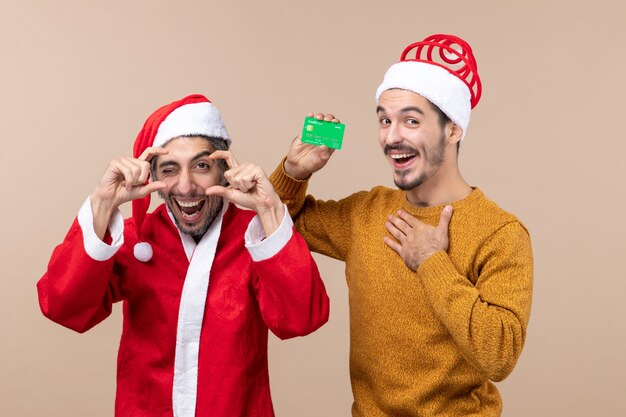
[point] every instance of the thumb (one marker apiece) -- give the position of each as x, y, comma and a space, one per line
444, 220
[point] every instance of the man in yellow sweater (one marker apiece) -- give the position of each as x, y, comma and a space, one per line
439, 277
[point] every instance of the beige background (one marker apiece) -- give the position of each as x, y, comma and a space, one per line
547, 142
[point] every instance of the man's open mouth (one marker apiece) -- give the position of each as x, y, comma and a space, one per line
402, 158
190, 210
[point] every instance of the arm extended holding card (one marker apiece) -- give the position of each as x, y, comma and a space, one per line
322, 223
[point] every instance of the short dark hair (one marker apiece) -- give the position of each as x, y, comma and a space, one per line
218, 144
443, 120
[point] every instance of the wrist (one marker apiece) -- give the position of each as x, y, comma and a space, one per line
102, 210
271, 216
294, 171
100, 204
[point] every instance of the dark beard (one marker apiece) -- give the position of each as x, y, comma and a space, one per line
214, 206
434, 159
406, 186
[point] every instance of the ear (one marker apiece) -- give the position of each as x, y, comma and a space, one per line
454, 133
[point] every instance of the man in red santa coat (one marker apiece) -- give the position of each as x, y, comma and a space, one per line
201, 280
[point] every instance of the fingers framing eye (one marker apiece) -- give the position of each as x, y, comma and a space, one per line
129, 170
151, 152
243, 177
227, 156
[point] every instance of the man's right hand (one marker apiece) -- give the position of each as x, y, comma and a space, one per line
124, 180
304, 159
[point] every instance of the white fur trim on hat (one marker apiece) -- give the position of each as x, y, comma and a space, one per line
434, 83
192, 119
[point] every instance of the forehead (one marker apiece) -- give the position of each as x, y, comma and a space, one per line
185, 148
397, 100
188, 144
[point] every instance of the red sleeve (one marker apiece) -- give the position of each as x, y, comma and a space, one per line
77, 291
290, 291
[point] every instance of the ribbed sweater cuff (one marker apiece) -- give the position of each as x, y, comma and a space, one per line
286, 185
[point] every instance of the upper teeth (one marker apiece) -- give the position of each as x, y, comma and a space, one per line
188, 204
402, 155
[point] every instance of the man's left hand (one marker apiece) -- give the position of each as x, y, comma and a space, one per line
416, 241
250, 188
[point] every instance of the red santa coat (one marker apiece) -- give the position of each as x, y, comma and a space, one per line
194, 338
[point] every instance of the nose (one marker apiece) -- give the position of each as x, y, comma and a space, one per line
184, 182
393, 135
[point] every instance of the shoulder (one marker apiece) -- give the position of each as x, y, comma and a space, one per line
376, 196
491, 208
483, 216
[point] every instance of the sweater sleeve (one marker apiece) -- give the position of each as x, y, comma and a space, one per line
80, 284
323, 224
291, 295
488, 320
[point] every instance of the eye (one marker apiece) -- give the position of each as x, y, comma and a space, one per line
384, 121
203, 165
412, 122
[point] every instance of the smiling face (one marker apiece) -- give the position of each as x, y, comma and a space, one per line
415, 142
187, 171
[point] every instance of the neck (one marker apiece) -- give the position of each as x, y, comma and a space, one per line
446, 187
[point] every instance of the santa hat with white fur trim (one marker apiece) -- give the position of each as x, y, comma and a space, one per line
189, 116
444, 71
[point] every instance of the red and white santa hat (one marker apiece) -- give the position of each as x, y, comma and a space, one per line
189, 116
443, 70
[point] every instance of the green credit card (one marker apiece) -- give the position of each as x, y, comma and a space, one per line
320, 132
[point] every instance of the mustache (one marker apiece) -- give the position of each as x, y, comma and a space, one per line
399, 148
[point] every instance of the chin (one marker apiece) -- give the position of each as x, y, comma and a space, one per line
190, 230
406, 184
197, 230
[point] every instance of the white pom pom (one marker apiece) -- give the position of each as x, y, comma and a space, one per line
143, 251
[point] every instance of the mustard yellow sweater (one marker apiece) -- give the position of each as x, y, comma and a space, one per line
425, 343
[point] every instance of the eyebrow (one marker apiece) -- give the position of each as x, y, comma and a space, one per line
381, 109
168, 163
201, 155
412, 108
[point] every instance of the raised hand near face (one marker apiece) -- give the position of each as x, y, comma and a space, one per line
124, 180
304, 159
249, 187
415, 241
